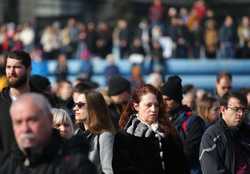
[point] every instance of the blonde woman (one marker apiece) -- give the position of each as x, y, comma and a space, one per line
62, 122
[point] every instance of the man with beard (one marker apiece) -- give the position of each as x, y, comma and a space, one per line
17, 69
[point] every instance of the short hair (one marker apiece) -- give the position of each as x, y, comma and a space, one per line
242, 98
81, 87
61, 116
23, 56
223, 75
39, 100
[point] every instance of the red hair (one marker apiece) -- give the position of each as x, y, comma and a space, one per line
164, 123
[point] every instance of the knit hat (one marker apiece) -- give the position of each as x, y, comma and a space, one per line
39, 83
173, 88
117, 85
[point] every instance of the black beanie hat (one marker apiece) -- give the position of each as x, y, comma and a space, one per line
173, 88
39, 83
117, 85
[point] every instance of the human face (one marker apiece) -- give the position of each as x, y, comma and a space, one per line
223, 86
65, 129
234, 113
80, 108
148, 108
16, 72
32, 128
170, 104
188, 100
65, 90
214, 113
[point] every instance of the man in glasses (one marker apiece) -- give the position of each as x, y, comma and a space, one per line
221, 149
223, 84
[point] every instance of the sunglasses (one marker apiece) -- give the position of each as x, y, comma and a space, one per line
80, 104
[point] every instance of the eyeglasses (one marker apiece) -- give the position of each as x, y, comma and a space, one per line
80, 104
226, 87
238, 109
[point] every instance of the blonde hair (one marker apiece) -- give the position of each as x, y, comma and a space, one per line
61, 116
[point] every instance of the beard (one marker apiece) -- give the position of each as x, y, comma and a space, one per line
18, 81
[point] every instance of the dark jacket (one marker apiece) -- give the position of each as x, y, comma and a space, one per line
59, 157
217, 149
142, 152
6, 133
115, 110
190, 128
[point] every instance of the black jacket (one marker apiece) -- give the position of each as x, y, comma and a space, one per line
217, 154
59, 157
7, 138
135, 154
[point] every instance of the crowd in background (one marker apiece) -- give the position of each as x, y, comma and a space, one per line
162, 127
130, 125
164, 32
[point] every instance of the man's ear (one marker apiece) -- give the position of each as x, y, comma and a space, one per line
222, 109
136, 106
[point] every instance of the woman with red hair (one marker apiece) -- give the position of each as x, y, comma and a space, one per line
147, 142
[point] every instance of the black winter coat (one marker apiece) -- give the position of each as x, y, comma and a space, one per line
7, 138
217, 153
141, 155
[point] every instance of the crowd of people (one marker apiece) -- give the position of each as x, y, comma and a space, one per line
164, 32
149, 128
130, 125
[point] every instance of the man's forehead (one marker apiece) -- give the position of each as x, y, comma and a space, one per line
234, 102
26, 104
13, 61
225, 80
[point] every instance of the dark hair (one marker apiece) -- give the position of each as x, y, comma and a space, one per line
242, 98
223, 75
23, 56
164, 123
187, 88
81, 87
99, 118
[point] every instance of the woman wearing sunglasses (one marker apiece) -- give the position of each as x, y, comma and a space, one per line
91, 113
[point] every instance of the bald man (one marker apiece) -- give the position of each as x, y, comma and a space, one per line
40, 147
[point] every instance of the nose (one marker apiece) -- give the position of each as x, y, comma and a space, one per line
153, 108
241, 112
25, 127
75, 108
62, 128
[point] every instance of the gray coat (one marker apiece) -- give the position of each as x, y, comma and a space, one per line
101, 152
